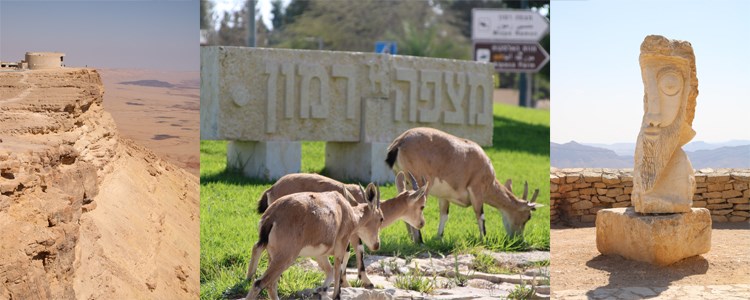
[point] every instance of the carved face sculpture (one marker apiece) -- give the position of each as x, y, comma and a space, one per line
668, 72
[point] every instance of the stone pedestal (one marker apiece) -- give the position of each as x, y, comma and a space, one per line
656, 239
265, 160
358, 161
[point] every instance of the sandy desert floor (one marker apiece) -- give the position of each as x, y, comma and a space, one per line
157, 109
577, 265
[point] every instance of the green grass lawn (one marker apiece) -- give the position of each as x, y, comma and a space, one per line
229, 219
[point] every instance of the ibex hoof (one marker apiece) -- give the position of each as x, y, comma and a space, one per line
369, 286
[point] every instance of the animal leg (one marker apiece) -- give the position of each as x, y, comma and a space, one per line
273, 290
343, 267
479, 212
276, 266
359, 250
327, 268
253, 266
444, 205
338, 277
416, 234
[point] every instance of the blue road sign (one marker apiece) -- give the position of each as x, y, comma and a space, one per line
387, 47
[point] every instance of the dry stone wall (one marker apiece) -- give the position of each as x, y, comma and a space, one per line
576, 195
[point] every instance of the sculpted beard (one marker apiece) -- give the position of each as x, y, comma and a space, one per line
656, 153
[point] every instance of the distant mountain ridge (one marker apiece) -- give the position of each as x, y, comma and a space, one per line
628, 149
576, 155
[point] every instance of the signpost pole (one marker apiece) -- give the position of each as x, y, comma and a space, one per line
251, 24
523, 92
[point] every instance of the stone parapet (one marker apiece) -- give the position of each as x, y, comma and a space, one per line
577, 194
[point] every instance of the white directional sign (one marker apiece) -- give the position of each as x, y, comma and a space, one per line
507, 25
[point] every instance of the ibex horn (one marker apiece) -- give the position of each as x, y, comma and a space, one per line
413, 181
536, 193
525, 189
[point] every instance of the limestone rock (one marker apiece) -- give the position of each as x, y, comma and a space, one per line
77, 218
656, 239
257, 94
663, 176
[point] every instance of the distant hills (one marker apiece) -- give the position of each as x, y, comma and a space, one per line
627, 149
733, 154
149, 83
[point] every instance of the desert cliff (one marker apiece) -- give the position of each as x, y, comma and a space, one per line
85, 213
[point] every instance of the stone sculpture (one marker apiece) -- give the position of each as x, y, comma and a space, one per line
662, 228
663, 176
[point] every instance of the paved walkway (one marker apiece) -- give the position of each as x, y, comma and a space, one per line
733, 291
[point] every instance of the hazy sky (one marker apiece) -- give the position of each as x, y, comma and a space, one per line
596, 86
162, 35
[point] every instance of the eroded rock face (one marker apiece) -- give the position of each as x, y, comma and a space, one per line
49, 158
62, 165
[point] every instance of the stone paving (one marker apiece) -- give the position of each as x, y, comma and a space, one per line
383, 271
733, 291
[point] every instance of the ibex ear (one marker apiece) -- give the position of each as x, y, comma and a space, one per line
372, 194
400, 182
509, 185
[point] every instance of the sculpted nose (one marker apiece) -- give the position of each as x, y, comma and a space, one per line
653, 110
653, 119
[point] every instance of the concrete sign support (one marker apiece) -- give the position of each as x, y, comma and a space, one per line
268, 100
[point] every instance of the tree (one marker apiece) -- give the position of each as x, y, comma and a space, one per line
356, 25
430, 40
294, 10
278, 15
207, 14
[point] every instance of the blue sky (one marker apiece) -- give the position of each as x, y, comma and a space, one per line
160, 35
596, 86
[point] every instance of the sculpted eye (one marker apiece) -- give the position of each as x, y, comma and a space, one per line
670, 83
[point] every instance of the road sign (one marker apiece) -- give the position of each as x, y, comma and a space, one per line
512, 56
388, 47
507, 25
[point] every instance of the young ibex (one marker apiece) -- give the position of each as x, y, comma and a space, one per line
407, 206
315, 225
459, 172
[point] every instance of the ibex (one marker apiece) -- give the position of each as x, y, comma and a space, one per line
407, 206
459, 172
314, 225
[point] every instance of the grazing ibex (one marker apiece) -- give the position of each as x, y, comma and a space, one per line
314, 225
459, 172
407, 206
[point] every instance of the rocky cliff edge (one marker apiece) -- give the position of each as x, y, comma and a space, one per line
84, 213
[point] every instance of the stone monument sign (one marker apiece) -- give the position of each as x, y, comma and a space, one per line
662, 228
268, 100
